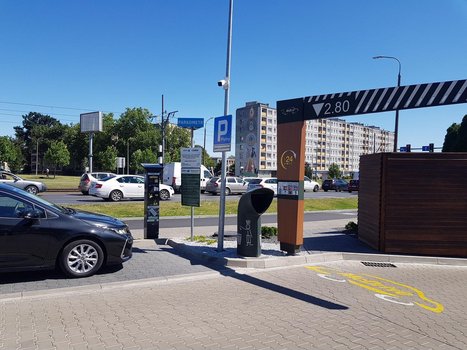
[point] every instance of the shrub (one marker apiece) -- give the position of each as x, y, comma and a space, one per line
268, 232
351, 226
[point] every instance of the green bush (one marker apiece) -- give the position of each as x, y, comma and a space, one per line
351, 226
268, 232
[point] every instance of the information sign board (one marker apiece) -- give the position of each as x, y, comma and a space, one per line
191, 169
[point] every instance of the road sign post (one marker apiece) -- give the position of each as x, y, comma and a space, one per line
222, 143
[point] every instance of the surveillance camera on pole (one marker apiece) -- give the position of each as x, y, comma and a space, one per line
223, 83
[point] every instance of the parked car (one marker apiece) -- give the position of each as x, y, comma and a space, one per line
354, 185
263, 182
33, 187
337, 185
117, 187
233, 184
310, 185
87, 179
36, 234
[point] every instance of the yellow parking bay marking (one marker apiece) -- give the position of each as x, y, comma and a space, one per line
383, 288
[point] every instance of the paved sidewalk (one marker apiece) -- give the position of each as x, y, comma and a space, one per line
324, 241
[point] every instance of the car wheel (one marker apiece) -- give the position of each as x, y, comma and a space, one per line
316, 188
85, 192
325, 190
164, 195
81, 258
227, 191
32, 189
116, 196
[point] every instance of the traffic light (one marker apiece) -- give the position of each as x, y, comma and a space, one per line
407, 147
431, 147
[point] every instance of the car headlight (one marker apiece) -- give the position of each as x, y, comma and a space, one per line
117, 230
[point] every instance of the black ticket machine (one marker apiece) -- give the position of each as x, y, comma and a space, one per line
151, 199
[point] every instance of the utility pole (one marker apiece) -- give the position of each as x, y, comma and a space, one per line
164, 121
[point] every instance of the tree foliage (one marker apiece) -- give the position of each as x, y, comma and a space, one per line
131, 135
107, 159
308, 170
334, 171
57, 155
142, 156
455, 139
10, 153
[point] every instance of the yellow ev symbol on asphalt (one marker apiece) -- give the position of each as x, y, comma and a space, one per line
384, 289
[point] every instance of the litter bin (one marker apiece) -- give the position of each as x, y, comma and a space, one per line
250, 207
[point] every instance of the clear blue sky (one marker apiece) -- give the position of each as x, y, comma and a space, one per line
108, 55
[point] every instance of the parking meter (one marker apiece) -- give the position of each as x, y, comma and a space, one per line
152, 180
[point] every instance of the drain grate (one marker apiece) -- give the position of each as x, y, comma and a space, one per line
377, 264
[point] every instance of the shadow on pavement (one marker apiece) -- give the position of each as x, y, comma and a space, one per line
229, 272
335, 242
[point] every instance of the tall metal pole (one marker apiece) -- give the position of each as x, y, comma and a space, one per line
220, 231
396, 126
128, 157
37, 155
204, 144
91, 138
163, 130
192, 235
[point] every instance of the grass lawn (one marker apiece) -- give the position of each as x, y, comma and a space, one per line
172, 208
60, 182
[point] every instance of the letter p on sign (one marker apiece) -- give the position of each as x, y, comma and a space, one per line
222, 133
222, 130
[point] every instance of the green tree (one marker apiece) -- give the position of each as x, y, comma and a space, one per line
176, 138
334, 171
24, 134
107, 158
78, 146
135, 132
11, 154
308, 170
57, 155
462, 136
450, 140
142, 156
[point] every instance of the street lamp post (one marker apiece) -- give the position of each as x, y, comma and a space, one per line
204, 144
396, 126
226, 87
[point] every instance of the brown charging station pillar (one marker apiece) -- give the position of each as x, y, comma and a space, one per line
290, 174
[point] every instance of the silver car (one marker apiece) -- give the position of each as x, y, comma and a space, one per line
232, 185
33, 187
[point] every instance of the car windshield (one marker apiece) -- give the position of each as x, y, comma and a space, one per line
214, 179
40, 200
107, 178
255, 181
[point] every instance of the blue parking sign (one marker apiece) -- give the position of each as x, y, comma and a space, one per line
223, 133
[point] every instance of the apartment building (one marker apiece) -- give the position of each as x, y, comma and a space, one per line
327, 141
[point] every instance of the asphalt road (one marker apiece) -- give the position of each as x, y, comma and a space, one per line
78, 198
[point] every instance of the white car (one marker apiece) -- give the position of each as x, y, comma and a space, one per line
263, 182
310, 185
115, 188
